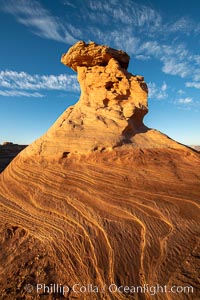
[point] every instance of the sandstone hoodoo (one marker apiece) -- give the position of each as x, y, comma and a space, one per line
101, 204
110, 110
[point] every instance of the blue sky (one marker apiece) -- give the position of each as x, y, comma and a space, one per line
162, 38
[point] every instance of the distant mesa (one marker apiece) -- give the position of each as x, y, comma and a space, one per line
7, 143
8, 151
197, 148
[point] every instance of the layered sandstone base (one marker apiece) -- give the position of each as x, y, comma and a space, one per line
126, 217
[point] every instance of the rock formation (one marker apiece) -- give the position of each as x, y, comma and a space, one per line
110, 110
100, 198
90, 55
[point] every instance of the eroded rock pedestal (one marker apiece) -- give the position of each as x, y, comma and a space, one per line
110, 110
101, 199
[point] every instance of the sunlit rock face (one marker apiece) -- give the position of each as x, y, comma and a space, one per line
90, 55
110, 110
100, 198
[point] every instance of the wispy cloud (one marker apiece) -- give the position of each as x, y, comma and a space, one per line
164, 87
180, 92
93, 21
184, 25
144, 34
113, 22
193, 84
156, 92
163, 91
142, 57
14, 93
31, 14
196, 59
137, 28
186, 100
15, 83
126, 12
187, 103
174, 59
173, 66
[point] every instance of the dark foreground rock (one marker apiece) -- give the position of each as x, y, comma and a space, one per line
8, 151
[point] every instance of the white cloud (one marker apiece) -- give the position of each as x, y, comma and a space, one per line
195, 58
31, 14
142, 57
136, 28
14, 93
156, 92
152, 90
160, 93
183, 25
125, 12
196, 75
193, 84
174, 58
130, 43
181, 92
174, 67
164, 87
186, 100
151, 48
24, 81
